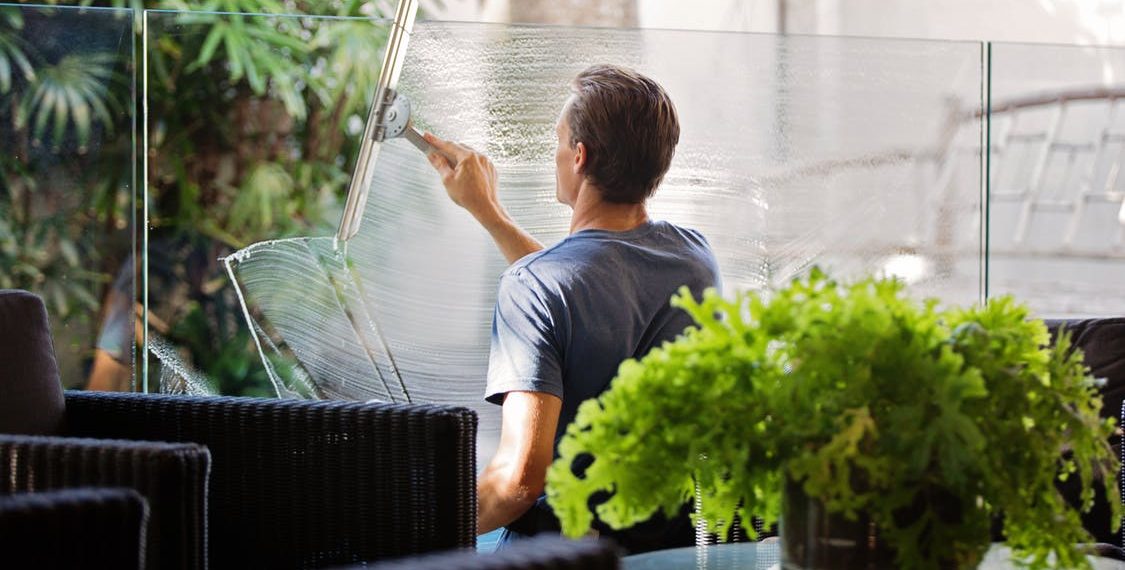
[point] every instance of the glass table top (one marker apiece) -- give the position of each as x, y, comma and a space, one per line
766, 555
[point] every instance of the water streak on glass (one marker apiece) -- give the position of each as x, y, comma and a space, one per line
176, 376
858, 155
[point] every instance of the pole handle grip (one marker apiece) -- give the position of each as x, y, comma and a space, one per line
411, 134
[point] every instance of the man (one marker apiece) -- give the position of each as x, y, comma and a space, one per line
568, 315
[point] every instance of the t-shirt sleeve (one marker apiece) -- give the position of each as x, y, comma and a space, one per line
524, 354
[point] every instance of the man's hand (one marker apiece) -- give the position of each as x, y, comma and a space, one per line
472, 184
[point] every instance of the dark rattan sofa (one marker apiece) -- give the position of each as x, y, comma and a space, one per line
1103, 344
73, 528
240, 482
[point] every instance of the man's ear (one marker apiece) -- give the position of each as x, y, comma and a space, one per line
579, 158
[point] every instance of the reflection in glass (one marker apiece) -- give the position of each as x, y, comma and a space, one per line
66, 181
1057, 218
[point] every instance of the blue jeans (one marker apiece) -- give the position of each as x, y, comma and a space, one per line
507, 537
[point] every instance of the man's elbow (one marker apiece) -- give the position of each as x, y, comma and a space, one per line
522, 492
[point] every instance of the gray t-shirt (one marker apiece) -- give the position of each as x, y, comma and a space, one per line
568, 315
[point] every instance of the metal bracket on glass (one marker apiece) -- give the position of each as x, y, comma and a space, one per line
385, 96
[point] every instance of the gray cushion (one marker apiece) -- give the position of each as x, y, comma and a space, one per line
1103, 342
31, 398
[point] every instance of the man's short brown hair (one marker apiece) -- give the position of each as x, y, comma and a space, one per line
629, 127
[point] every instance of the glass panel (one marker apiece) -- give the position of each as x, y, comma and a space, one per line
251, 130
858, 155
1056, 216
66, 181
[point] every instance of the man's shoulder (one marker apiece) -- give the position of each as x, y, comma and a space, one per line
540, 272
691, 235
590, 244
545, 259
594, 251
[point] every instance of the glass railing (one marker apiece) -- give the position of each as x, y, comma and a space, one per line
858, 155
1057, 220
252, 128
67, 159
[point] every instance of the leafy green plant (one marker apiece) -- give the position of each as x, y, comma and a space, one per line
72, 91
250, 104
12, 56
871, 402
248, 141
265, 55
66, 167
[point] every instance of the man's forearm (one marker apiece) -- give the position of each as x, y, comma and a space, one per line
498, 503
512, 240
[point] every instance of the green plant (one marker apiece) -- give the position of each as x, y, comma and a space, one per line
65, 170
251, 130
12, 56
930, 421
71, 91
248, 141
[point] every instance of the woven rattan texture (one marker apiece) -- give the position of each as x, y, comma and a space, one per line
171, 476
73, 529
299, 484
1102, 342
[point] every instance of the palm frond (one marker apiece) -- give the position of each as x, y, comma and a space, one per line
354, 56
12, 53
258, 50
75, 91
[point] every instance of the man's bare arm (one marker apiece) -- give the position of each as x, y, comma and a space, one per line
472, 185
512, 240
515, 477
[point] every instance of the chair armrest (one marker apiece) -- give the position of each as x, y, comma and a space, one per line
74, 528
172, 477
310, 483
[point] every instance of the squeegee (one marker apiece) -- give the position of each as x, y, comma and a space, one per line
389, 118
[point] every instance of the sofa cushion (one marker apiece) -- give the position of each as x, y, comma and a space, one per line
31, 398
1103, 342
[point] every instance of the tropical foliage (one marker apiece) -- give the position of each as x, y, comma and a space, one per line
253, 115
65, 168
928, 420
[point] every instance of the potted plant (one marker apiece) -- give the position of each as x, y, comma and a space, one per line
860, 402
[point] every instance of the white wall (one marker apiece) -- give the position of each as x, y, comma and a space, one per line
1041, 21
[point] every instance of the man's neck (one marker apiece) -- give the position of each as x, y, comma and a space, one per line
593, 213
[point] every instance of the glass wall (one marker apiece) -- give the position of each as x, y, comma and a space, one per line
67, 160
861, 156
252, 124
1057, 231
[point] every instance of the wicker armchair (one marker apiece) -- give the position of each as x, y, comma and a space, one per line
240, 482
172, 476
73, 529
1103, 344
297, 484
538, 553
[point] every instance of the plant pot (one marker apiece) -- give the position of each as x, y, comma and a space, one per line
814, 539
